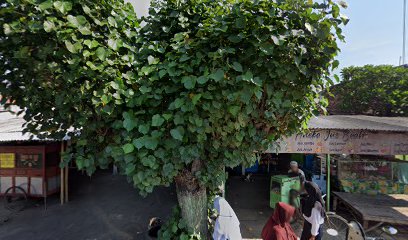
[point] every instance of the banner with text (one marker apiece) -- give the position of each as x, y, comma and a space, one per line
345, 142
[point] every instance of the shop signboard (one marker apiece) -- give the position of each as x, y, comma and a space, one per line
344, 142
7, 160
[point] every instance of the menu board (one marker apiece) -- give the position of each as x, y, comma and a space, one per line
344, 142
7, 160
30, 161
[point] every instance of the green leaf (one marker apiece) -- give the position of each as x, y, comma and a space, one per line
287, 104
149, 161
152, 60
86, 9
189, 82
91, 44
202, 79
112, 22
275, 39
195, 98
130, 168
151, 143
167, 116
115, 44
48, 26
237, 66
336, 10
309, 27
344, 19
234, 110
144, 129
162, 73
45, 5
168, 169
71, 47
139, 142
178, 102
335, 64
63, 7
157, 120
101, 53
240, 22
129, 122
184, 58
248, 76
128, 148
235, 39
218, 75
177, 133
178, 119
78, 21
143, 89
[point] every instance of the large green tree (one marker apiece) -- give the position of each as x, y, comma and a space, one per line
375, 90
201, 85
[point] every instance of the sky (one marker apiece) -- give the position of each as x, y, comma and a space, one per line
373, 35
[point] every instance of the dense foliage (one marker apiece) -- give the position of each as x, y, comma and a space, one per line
210, 80
62, 62
374, 90
176, 229
202, 81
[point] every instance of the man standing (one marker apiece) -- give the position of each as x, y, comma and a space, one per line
295, 171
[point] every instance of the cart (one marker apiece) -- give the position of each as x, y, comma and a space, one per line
281, 186
29, 171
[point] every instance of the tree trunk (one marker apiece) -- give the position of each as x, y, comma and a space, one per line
192, 199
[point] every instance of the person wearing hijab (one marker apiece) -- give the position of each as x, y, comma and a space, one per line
227, 223
278, 226
313, 212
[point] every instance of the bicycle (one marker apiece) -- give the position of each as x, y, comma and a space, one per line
336, 227
15, 199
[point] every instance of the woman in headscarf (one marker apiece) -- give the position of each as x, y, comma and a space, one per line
313, 212
278, 226
227, 223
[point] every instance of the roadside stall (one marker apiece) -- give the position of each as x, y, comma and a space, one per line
31, 171
29, 166
369, 174
360, 150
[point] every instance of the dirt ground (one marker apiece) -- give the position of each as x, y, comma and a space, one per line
103, 207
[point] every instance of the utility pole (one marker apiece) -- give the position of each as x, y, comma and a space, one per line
403, 32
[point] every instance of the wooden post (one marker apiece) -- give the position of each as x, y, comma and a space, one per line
62, 176
115, 170
328, 183
66, 188
335, 203
66, 183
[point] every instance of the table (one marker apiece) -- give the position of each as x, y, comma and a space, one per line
392, 208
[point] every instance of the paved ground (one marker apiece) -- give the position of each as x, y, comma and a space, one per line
102, 207
107, 207
250, 200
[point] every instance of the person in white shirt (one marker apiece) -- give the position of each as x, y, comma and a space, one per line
227, 224
313, 212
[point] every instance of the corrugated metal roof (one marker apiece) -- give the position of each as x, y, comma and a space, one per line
11, 127
360, 122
